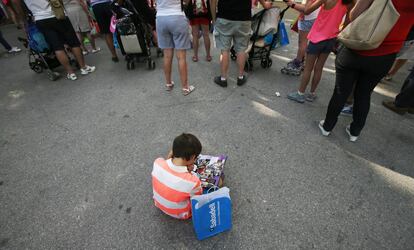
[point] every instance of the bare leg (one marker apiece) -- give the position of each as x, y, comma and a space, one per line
91, 39
309, 64
206, 37
80, 38
110, 43
397, 66
168, 57
195, 30
182, 67
64, 60
224, 63
302, 45
77, 52
241, 61
317, 71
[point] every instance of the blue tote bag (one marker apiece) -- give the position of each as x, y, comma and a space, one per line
211, 213
283, 35
37, 41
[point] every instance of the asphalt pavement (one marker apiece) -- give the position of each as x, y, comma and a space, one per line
76, 159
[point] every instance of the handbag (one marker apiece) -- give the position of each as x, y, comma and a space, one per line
58, 9
211, 213
369, 30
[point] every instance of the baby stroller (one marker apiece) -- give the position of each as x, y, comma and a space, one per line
264, 22
41, 58
133, 34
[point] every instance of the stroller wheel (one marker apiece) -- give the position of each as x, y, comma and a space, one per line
130, 65
151, 64
37, 68
53, 76
266, 63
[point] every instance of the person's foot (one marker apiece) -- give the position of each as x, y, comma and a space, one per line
87, 69
391, 106
95, 50
241, 80
347, 110
296, 96
323, 131
14, 50
85, 52
310, 97
220, 81
115, 59
209, 58
195, 58
352, 138
188, 90
169, 86
71, 76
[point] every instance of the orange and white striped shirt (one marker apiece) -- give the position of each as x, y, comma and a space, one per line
173, 186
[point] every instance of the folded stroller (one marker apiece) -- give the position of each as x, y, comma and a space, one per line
264, 23
133, 35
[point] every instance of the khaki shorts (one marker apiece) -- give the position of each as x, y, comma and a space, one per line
228, 32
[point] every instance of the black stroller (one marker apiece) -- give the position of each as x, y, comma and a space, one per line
41, 57
133, 34
258, 49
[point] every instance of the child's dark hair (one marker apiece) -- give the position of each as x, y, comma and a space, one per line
185, 146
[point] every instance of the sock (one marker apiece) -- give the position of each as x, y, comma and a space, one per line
223, 78
300, 93
241, 77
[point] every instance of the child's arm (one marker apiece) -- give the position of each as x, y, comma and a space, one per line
312, 6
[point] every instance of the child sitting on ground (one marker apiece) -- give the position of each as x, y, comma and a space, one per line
172, 181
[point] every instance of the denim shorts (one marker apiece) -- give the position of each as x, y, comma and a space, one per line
227, 32
322, 47
305, 25
173, 32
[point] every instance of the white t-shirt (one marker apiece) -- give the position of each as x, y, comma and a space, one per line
40, 8
312, 15
169, 8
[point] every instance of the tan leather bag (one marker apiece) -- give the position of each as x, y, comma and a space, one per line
58, 9
369, 30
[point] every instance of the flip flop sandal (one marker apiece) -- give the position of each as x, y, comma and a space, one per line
187, 91
170, 86
209, 58
195, 59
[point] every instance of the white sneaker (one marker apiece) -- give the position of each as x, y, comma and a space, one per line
352, 138
14, 50
85, 52
87, 69
95, 50
323, 131
72, 77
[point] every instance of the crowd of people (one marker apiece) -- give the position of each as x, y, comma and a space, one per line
319, 23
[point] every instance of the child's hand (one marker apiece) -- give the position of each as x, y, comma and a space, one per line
170, 155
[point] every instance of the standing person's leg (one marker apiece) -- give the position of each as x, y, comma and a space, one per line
182, 67
92, 41
406, 97
195, 29
317, 71
81, 39
396, 67
302, 45
168, 59
5, 44
207, 43
224, 63
347, 73
373, 70
103, 16
299, 95
241, 39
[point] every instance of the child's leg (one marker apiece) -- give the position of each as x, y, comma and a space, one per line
317, 71
91, 39
309, 65
195, 30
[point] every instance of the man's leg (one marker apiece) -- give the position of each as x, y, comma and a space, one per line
182, 67
77, 52
81, 38
224, 63
168, 58
241, 61
405, 98
64, 60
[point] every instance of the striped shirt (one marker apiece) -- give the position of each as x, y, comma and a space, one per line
173, 186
